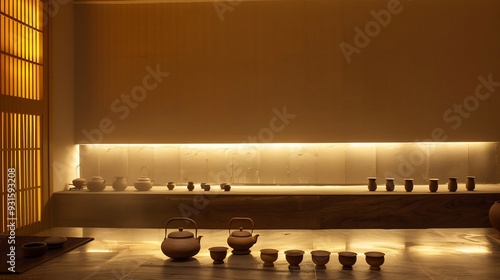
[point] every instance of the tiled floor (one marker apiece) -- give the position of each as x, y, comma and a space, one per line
119, 253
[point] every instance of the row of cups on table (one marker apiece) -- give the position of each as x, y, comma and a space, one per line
470, 184
294, 258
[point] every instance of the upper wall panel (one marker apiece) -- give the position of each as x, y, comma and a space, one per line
287, 71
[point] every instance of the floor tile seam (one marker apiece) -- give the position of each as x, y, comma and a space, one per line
421, 268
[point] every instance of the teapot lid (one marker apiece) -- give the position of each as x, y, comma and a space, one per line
241, 233
97, 178
181, 234
143, 178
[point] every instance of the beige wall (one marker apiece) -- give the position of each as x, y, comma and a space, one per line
333, 163
229, 74
64, 152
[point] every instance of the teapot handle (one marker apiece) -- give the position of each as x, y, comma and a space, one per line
240, 218
81, 171
143, 168
182, 218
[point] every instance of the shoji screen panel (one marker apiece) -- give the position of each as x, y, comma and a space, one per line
23, 111
21, 49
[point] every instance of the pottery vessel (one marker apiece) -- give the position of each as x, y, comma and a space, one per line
241, 240
375, 259
320, 258
294, 258
181, 245
143, 183
206, 187
55, 242
227, 187
494, 215
79, 183
96, 184
347, 259
408, 185
190, 186
170, 186
372, 184
433, 184
452, 184
202, 185
470, 184
389, 184
34, 249
218, 254
120, 183
222, 185
269, 256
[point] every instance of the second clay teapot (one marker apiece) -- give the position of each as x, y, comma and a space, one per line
241, 240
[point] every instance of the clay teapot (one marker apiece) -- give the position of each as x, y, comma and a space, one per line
96, 184
80, 182
181, 245
143, 183
241, 240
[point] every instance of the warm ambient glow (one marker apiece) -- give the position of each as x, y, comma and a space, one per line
22, 151
21, 49
21, 76
443, 250
282, 145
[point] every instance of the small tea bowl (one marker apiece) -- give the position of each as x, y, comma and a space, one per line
294, 258
34, 249
375, 259
347, 259
269, 256
218, 254
320, 258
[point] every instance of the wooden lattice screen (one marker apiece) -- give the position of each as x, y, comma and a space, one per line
23, 115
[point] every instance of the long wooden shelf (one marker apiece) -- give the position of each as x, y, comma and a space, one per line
279, 207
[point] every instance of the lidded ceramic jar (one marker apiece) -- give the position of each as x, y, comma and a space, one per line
96, 184
120, 183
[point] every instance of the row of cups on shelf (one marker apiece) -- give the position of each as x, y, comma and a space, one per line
470, 184
143, 183
295, 257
